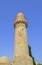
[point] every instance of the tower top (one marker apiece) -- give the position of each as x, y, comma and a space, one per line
20, 19
20, 14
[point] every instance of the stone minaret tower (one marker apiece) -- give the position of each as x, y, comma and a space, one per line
21, 45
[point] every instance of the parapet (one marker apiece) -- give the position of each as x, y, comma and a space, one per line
20, 19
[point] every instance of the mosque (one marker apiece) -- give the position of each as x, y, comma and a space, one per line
22, 53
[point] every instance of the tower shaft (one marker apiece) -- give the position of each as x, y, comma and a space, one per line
21, 46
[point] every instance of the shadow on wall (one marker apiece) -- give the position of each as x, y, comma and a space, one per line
30, 54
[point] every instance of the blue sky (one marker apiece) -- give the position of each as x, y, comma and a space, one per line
32, 10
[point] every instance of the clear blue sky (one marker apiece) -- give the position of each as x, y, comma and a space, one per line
32, 10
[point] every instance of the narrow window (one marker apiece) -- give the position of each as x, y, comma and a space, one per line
22, 29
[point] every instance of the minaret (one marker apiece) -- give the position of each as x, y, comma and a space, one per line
21, 45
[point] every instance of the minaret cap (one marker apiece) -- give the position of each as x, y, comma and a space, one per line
20, 19
20, 16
